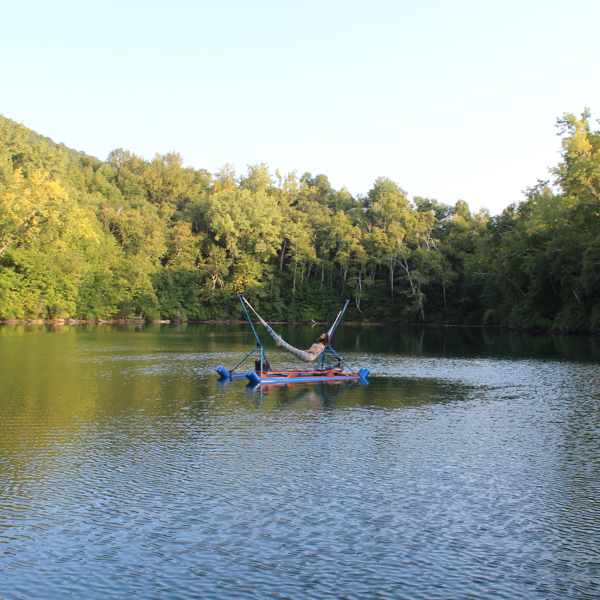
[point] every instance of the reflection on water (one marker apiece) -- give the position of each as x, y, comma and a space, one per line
469, 467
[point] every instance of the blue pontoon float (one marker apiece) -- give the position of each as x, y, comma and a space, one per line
263, 375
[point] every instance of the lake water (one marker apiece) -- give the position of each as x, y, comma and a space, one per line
469, 467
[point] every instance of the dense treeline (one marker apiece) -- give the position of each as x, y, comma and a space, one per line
87, 239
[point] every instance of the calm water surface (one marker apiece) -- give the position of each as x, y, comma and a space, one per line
469, 467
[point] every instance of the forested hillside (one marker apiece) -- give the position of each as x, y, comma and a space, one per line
128, 237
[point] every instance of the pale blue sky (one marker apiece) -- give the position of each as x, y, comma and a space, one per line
450, 99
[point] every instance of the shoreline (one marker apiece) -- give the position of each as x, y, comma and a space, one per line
143, 321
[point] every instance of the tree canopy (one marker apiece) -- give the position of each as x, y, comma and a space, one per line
129, 237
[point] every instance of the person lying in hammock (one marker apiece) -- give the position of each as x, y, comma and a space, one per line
318, 346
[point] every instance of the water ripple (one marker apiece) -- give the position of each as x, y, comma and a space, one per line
133, 472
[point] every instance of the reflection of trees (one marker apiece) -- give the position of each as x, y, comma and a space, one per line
464, 342
76, 393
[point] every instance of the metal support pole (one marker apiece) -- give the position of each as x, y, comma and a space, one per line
339, 320
329, 349
249, 320
259, 347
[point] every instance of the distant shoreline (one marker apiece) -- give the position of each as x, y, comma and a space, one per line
134, 321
